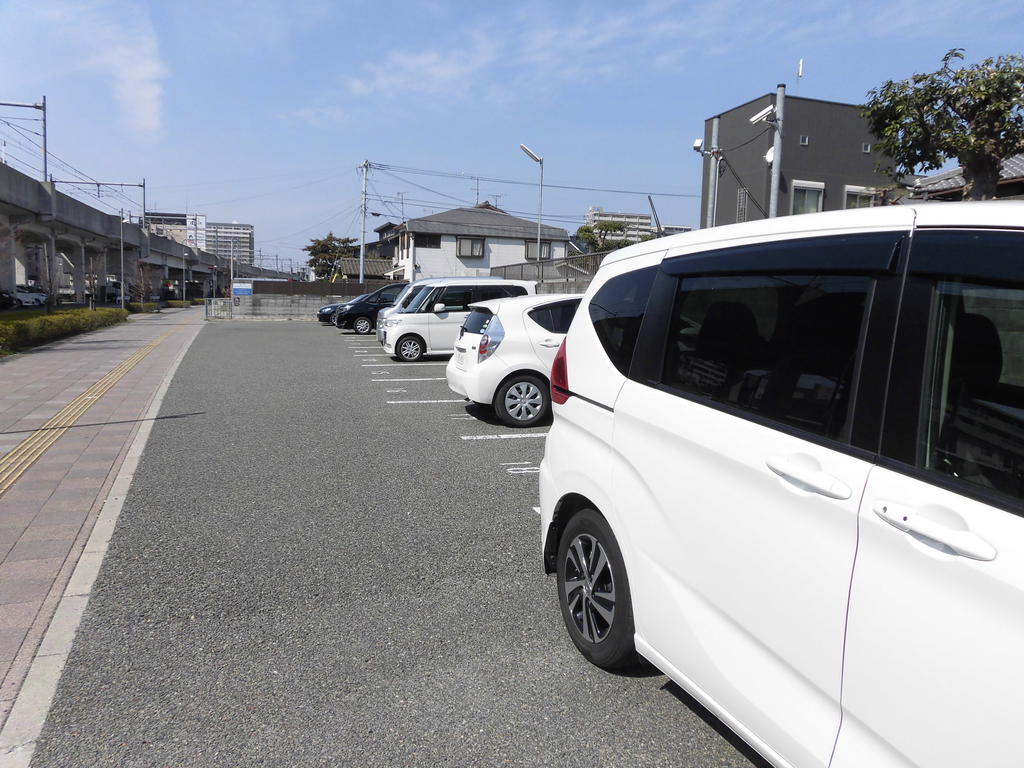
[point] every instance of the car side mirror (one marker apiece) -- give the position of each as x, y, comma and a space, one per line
438, 308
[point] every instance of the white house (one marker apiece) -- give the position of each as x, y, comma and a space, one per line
469, 241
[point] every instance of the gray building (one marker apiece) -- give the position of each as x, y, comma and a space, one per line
227, 239
828, 160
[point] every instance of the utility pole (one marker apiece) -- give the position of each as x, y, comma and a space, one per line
41, 106
231, 268
121, 219
773, 196
363, 209
715, 157
401, 202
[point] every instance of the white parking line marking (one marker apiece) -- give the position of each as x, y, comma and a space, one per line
398, 402
537, 510
385, 372
396, 391
523, 470
417, 365
502, 437
511, 463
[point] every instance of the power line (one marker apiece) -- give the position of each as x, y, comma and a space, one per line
451, 175
427, 189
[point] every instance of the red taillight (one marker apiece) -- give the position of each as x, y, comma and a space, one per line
560, 377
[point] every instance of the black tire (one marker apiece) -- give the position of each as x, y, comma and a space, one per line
362, 325
336, 322
409, 349
596, 608
522, 400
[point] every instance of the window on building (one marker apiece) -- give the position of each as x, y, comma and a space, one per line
860, 197
531, 250
805, 141
865, 148
471, 247
427, 241
808, 196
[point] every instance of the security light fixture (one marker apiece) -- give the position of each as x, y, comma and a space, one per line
698, 145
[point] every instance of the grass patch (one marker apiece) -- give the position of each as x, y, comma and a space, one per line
30, 328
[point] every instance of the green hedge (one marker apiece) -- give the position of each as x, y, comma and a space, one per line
179, 304
19, 333
197, 302
142, 306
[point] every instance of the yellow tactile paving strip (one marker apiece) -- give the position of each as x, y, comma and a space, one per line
21, 457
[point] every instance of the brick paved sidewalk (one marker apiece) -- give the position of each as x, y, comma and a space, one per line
46, 516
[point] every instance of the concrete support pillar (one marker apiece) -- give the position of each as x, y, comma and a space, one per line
78, 273
8, 258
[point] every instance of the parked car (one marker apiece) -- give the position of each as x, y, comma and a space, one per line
326, 313
504, 353
6, 300
786, 466
430, 324
28, 296
360, 314
407, 296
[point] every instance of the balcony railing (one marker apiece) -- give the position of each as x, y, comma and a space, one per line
579, 268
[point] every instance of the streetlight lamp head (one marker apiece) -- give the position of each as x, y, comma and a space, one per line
533, 155
698, 145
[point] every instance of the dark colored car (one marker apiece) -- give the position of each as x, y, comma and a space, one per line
326, 313
6, 300
360, 314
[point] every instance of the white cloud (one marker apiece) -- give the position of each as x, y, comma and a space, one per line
113, 39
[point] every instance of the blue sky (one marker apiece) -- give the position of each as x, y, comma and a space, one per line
261, 110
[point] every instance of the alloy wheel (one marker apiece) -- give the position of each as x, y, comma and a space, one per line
524, 401
410, 349
589, 588
362, 326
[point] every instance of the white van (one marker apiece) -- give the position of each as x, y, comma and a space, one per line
431, 322
408, 295
787, 468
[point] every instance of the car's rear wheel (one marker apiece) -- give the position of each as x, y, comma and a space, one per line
410, 349
362, 325
522, 401
593, 592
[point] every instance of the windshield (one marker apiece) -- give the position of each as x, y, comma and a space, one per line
418, 298
357, 298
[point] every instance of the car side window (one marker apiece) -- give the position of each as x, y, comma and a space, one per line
487, 292
456, 298
555, 318
617, 311
781, 346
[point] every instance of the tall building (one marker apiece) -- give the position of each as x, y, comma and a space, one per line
227, 239
187, 229
828, 160
638, 226
218, 238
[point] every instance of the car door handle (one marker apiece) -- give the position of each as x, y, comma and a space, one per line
815, 479
909, 520
550, 343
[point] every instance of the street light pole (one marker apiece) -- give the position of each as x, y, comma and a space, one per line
121, 218
540, 200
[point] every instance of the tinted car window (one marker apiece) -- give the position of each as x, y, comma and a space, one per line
617, 310
456, 298
974, 425
784, 347
555, 318
389, 294
477, 321
484, 293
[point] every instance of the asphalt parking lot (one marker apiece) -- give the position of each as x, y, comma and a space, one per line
330, 559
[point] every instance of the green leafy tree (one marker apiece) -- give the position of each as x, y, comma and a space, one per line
599, 237
325, 252
974, 114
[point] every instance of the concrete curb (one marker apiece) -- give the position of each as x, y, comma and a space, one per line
28, 715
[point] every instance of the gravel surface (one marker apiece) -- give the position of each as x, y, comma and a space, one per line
304, 575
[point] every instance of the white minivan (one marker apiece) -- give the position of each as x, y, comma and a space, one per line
431, 322
786, 466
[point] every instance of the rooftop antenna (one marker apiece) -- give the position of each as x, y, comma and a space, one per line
799, 74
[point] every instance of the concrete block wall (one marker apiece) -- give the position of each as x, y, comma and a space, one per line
270, 307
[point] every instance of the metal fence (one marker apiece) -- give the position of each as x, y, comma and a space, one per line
572, 269
218, 309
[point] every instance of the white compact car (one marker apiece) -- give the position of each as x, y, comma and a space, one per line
431, 322
786, 466
504, 353
28, 296
408, 295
